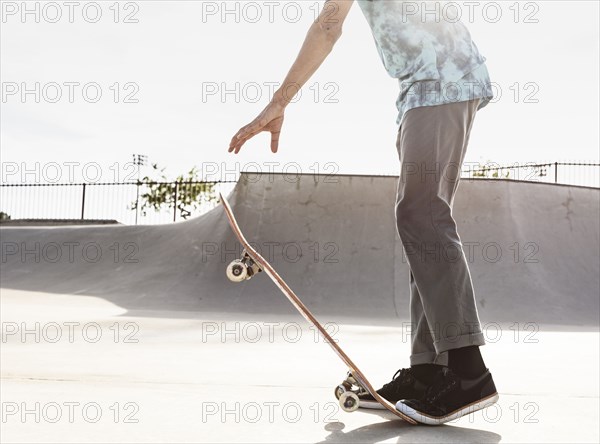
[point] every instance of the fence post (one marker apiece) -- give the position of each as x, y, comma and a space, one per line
137, 201
175, 203
83, 202
555, 172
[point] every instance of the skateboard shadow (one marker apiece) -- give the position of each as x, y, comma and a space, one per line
405, 432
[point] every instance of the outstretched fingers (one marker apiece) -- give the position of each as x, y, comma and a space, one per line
271, 120
239, 140
244, 134
275, 141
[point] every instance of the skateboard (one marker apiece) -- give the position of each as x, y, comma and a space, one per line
252, 263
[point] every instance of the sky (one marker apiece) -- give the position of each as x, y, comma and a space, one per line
174, 80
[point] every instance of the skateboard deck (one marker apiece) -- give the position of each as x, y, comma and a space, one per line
251, 263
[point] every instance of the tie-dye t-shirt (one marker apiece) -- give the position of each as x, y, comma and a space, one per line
430, 52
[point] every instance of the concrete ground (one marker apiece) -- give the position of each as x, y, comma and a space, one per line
81, 370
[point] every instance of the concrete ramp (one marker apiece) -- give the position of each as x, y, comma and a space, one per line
533, 250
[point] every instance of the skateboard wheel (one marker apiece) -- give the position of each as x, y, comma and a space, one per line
349, 401
237, 271
339, 391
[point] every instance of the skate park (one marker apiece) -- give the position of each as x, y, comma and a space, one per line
121, 326
117, 333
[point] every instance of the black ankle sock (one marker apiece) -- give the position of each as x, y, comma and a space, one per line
466, 362
425, 372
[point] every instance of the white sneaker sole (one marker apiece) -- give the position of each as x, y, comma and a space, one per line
432, 420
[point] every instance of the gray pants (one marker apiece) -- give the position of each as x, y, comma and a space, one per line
432, 142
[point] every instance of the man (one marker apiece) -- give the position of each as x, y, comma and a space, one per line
443, 82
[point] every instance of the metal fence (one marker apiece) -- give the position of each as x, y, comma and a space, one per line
126, 202
164, 202
568, 173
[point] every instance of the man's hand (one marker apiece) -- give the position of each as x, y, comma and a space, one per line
270, 119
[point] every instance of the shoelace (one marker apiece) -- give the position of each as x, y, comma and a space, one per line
401, 377
444, 382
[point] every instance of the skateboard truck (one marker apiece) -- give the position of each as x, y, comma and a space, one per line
347, 393
242, 269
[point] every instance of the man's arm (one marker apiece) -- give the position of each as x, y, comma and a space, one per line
320, 39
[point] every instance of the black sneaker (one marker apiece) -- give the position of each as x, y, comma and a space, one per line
403, 385
450, 397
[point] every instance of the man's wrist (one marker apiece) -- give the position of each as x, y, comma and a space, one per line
284, 95
279, 100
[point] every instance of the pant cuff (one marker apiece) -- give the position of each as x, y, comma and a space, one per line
466, 340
